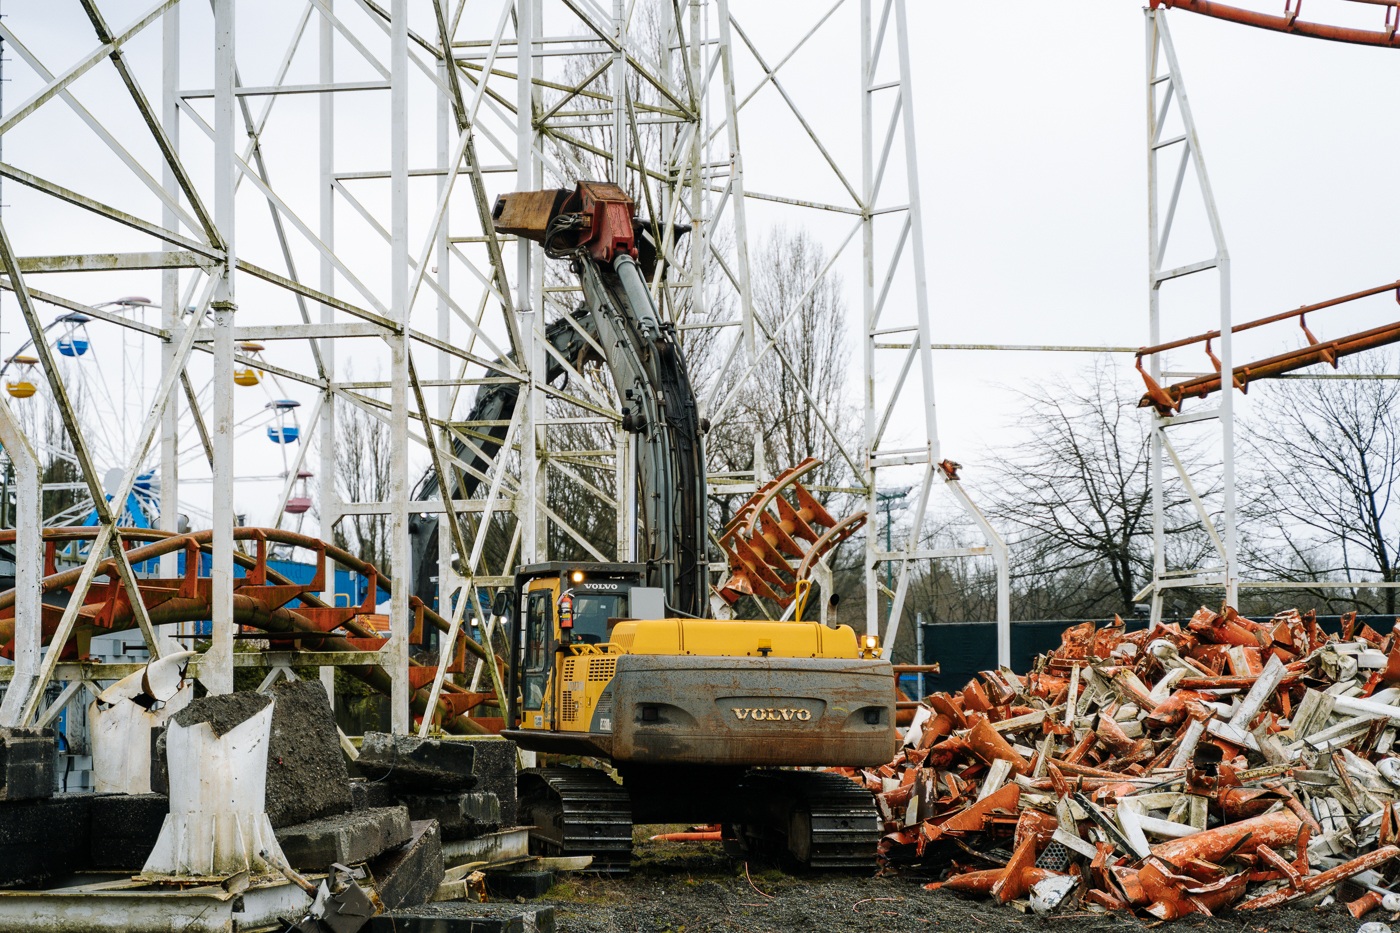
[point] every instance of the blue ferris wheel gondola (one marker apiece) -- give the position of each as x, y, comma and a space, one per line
282, 432
75, 341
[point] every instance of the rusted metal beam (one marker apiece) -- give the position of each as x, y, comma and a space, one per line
1288, 22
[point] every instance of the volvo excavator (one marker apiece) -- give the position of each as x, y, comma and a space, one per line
698, 719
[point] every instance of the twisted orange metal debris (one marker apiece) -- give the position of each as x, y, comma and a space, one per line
261, 602
1098, 779
771, 532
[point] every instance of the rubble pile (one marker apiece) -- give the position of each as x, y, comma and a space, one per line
1229, 764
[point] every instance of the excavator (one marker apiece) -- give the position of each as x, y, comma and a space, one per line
696, 719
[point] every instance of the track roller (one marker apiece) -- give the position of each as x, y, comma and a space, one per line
811, 819
578, 811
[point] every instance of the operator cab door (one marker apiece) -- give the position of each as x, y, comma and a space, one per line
540, 638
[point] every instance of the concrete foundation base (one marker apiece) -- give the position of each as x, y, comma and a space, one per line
346, 837
410, 874
124, 830
463, 815
43, 840
26, 764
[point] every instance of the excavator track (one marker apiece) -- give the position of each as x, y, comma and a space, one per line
578, 811
812, 819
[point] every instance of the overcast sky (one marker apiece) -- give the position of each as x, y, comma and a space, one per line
1031, 134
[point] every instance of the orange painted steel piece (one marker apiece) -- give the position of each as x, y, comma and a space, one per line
974, 818
710, 833
1273, 829
1012, 883
759, 544
986, 743
1176, 896
1289, 23
1323, 879
1169, 399
1037, 826
1364, 904
1112, 735
981, 882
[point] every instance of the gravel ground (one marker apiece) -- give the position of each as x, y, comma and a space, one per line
693, 887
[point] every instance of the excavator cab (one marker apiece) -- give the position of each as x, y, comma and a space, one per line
565, 611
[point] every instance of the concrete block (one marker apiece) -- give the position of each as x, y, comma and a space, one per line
365, 795
465, 918
495, 770
223, 711
346, 837
124, 830
508, 885
26, 764
160, 771
43, 840
306, 775
409, 875
464, 815
411, 763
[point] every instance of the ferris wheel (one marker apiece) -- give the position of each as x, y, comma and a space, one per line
110, 373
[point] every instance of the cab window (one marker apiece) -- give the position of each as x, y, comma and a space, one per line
591, 614
538, 629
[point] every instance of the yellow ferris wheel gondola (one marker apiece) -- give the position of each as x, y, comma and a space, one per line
248, 375
22, 385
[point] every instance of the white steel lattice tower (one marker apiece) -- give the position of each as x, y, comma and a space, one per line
311, 185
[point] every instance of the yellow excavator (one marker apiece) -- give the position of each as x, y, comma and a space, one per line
702, 719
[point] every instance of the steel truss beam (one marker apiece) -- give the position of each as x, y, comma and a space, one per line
521, 94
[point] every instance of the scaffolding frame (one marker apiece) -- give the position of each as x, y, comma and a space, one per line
455, 293
1166, 88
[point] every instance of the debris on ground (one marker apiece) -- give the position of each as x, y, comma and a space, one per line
1227, 764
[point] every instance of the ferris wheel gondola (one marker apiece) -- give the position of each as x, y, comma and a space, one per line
110, 372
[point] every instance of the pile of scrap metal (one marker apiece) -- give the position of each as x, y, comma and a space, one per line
1171, 771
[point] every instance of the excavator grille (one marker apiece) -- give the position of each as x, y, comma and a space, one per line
568, 707
601, 670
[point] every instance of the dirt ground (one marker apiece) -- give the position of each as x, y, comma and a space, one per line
694, 888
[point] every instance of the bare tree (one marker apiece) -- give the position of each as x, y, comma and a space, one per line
362, 473
1325, 485
1076, 496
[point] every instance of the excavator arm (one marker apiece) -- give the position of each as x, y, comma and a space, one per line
595, 228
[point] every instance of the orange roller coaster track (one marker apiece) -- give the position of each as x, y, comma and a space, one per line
260, 602
1290, 23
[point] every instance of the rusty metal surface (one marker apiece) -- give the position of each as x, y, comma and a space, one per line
1224, 764
777, 537
1290, 23
259, 602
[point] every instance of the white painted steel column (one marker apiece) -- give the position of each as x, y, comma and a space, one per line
916, 235
619, 91
533, 523
399, 549
1154, 323
217, 670
867, 172
736, 181
29, 567
446, 131
329, 496
170, 292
